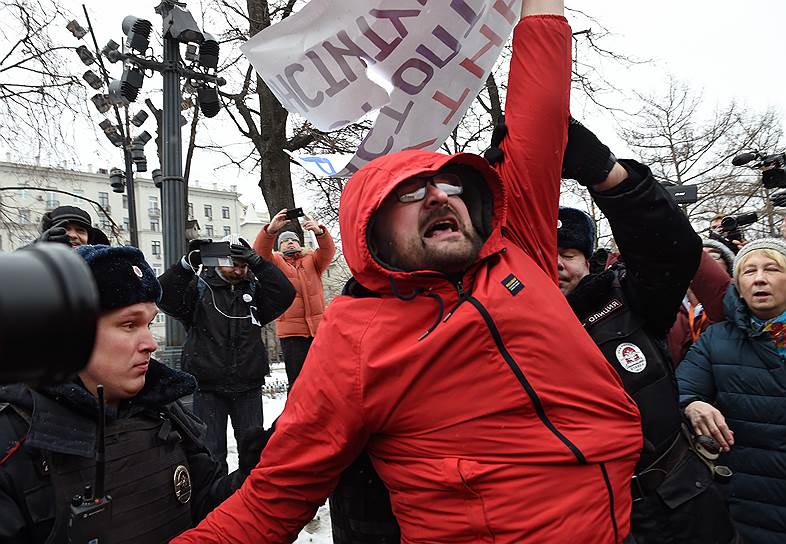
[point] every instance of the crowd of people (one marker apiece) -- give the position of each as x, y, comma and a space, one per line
488, 374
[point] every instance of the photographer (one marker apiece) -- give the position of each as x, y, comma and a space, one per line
297, 326
71, 226
48, 434
224, 309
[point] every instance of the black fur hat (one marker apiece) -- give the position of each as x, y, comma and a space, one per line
122, 275
71, 214
576, 230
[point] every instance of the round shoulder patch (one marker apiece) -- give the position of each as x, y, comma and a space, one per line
559, 223
631, 357
137, 271
182, 484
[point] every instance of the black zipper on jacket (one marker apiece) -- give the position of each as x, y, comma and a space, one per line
610, 491
533, 396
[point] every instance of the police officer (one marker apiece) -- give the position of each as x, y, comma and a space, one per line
628, 310
160, 477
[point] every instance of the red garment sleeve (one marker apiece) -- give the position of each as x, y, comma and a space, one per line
263, 244
327, 250
319, 434
536, 114
710, 285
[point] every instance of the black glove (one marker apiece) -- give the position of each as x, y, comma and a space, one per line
586, 159
494, 153
250, 445
55, 234
246, 253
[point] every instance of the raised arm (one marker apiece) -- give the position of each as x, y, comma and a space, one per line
536, 115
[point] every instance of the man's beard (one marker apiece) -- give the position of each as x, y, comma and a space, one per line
450, 258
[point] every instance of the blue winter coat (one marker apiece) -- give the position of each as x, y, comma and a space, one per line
742, 375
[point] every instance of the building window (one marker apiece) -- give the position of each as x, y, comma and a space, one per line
103, 199
125, 202
51, 200
24, 216
126, 225
208, 211
225, 212
152, 202
227, 231
209, 231
160, 317
155, 248
191, 210
156, 270
77, 193
154, 226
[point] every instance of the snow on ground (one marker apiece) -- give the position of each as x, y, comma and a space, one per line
318, 530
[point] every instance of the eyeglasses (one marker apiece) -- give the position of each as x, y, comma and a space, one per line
414, 189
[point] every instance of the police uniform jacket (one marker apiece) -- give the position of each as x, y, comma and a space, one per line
162, 480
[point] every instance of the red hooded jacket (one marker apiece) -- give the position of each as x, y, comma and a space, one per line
503, 424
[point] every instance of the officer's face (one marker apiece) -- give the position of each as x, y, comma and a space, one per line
121, 354
761, 281
572, 266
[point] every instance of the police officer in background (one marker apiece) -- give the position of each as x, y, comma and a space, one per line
628, 310
160, 477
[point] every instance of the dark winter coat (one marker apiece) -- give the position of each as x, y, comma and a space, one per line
57, 425
224, 354
742, 375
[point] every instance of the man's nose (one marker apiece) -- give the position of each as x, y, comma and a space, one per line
435, 196
149, 343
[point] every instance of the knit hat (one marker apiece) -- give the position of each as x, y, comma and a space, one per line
71, 214
122, 276
287, 235
576, 230
774, 244
726, 254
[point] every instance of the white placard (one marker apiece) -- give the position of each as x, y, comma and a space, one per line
418, 63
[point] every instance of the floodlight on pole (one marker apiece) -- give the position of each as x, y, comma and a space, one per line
116, 97
112, 51
85, 55
101, 102
139, 119
93, 80
208, 53
158, 179
209, 103
76, 29
131, 82
181, 26
191, 53
117, 180
137, 33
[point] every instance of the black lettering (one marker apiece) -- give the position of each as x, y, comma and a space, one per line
415, 64
290, 72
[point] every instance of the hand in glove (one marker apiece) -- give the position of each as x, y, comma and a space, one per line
586, 158
55, 234
250, 445
193, 256
244, 252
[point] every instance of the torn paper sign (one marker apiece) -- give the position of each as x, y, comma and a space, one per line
418, 63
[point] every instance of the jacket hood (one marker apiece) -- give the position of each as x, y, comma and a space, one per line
364, 193
736, 309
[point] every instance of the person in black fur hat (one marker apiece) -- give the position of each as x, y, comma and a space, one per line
161, 478
70, 225
576, 243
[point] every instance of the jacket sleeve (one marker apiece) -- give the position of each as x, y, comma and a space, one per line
263, 244
274, 292
536, 115
657, 244
178, 293
710, 285
694, 374
326, 251
321, 431
210, 486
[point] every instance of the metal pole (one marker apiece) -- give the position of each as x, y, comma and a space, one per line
131, 192
173, 186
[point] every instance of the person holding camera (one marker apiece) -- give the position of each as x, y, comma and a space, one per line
223, 309
48, 433
297, 326
71, 226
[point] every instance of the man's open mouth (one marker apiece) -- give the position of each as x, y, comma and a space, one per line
441, 227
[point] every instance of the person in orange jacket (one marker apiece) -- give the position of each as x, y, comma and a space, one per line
297, 326
454, 360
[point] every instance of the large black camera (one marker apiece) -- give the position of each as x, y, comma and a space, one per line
48, 310
773, 175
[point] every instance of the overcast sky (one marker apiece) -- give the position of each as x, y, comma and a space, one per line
729, 50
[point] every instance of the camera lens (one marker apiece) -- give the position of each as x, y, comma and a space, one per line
49, 309
729, 223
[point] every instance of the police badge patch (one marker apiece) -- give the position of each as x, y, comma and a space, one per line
182, 484
631, 357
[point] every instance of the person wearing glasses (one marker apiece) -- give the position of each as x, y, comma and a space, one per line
453, 360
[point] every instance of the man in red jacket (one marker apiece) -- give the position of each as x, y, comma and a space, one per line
455, 361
